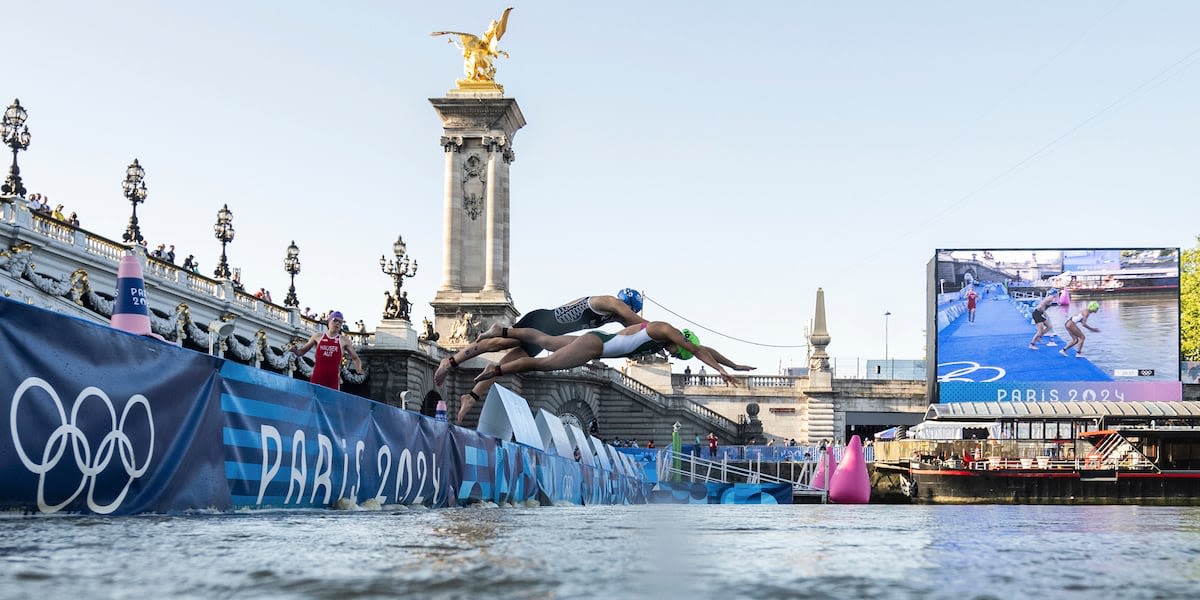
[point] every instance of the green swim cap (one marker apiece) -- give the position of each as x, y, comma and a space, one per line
1093, 306
691, 337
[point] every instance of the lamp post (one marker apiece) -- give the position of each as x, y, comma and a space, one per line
134, 188
223, 231
291, 264
15, 134
398, 269
886, 316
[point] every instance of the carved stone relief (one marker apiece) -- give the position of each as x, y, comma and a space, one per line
474, 185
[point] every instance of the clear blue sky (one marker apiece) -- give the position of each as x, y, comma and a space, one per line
727, 158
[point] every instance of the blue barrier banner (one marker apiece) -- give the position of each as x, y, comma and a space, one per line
289, 443
107, 422
721, 493
104, 421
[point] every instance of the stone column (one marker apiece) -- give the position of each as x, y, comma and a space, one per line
478, 129
451, 275
494, 237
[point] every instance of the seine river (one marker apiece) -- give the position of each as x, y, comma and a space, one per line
652, 552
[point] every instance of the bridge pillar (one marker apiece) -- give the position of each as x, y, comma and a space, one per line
478, 128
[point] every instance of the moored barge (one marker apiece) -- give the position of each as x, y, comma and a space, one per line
1051, 453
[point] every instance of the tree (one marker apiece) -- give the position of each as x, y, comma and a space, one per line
1189, 301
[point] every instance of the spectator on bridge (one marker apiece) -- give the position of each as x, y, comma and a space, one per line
584, 313
712, 445
573, 351
36, 205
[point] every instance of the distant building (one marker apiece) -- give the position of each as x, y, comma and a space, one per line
896, 368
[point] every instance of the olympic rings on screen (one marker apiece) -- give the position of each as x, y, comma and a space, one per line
90, 462
961, 373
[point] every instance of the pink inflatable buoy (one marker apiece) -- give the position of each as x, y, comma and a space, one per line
850, 483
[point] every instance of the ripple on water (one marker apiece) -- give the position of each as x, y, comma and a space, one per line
804, 551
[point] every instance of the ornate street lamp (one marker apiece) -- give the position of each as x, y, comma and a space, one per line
291, 264
15, 134
134, 187
397, 307
223, 231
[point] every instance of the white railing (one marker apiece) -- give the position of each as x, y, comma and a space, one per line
694, 468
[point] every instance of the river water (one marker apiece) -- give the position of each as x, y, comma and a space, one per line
653, 552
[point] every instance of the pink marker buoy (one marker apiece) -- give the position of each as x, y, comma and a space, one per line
850, 483
820, 479
130, 311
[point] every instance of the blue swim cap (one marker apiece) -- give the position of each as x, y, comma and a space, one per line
631, 297
1052, 292
681, 352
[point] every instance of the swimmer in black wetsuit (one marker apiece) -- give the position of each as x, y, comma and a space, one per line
588, 312
569, 351
1039, 317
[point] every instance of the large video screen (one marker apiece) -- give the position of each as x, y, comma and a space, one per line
1055, 325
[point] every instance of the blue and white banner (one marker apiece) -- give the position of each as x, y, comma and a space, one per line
106, 422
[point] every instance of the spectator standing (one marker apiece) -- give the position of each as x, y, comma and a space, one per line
73, 220
170, 254
58, 215
330, 346
36, 206
712, 445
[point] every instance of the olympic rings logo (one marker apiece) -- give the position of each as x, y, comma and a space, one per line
961, 373
90, 462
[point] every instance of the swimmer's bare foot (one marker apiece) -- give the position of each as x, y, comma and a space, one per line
444, 369
491, 372
495, 331
465, 403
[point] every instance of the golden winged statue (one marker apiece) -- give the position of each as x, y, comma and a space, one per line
478, 51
